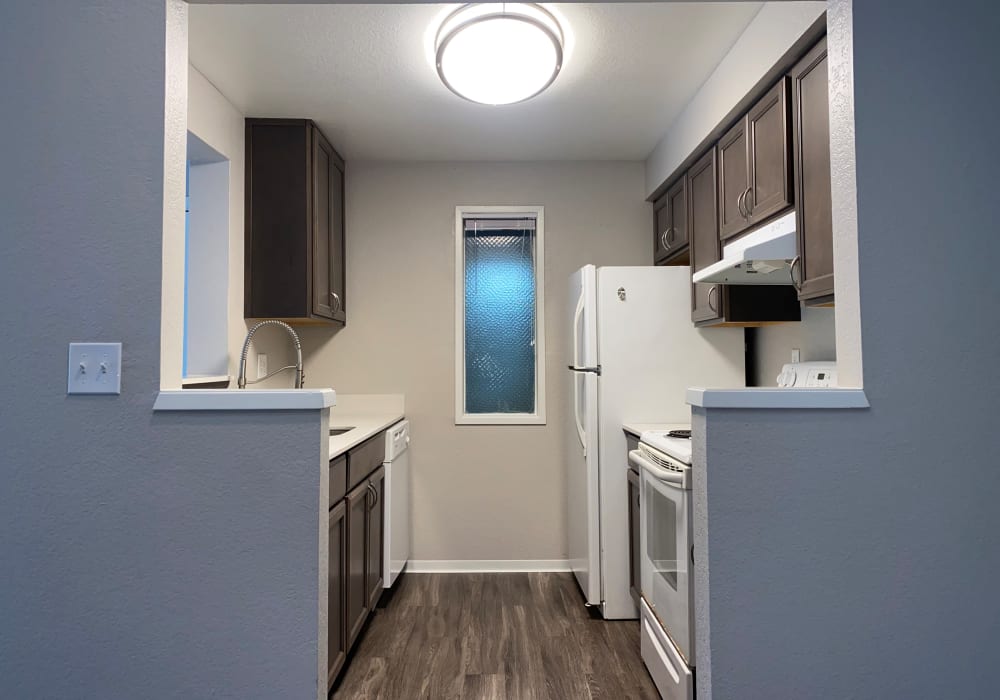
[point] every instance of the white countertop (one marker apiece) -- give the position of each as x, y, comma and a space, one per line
365, 426
777, 397
244, 399
638, 429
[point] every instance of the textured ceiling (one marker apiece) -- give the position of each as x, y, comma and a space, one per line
364, 73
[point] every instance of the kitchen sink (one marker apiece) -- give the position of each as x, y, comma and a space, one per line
340, 431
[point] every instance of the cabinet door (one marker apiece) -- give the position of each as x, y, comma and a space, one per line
769, 138
376, 518
661, 229
356, 558
703, 223
338, 259
677, 238
811, 151
336, 593
634, 555
733, 184
324, 303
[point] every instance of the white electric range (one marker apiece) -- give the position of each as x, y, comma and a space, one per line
667, 556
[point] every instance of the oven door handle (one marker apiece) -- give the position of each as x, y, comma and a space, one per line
662, 475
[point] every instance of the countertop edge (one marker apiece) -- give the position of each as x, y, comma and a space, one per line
244, 400
777, 397
371, 425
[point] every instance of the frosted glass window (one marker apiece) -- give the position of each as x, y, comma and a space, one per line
499, 326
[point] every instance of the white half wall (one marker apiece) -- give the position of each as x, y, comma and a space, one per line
766, 39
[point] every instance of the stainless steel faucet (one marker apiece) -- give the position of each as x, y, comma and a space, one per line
299, 375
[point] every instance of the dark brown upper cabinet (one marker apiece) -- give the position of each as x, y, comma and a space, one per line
294, 235
706, 299
811, 153
724, 304
754, 165
671, 225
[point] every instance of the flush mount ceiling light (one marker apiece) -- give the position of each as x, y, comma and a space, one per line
498, 54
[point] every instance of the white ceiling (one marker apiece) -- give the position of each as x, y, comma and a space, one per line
364, 74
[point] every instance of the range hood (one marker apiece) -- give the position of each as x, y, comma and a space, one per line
762, 257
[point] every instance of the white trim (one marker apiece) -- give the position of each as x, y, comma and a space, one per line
499, 212
487, 566
244, 399
777, 397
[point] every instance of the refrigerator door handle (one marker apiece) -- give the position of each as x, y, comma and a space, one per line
576, 326
580, 433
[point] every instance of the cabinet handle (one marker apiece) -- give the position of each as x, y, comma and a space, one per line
670, 235
746, 201
374, 494
796, 262
714, 289
664, 242
336, 301
739, 204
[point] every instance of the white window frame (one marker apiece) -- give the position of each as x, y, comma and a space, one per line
496, 212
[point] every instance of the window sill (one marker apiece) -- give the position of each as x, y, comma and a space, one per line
500, 419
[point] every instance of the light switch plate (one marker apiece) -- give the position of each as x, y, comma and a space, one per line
95, 368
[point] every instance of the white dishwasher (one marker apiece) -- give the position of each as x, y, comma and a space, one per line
396, 550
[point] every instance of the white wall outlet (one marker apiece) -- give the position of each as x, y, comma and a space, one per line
94, 368
796, 355
261, 365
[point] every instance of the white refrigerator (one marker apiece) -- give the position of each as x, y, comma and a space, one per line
634, 352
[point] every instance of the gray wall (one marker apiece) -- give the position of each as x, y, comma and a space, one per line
857, 553
139, 556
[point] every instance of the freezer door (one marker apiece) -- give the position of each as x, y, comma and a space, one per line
582, 434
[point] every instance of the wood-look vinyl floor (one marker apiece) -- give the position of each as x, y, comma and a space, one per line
494, 636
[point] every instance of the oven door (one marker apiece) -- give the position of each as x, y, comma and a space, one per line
666, 545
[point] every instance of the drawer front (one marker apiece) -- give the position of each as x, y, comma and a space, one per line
364, 459
672, 677
338, 479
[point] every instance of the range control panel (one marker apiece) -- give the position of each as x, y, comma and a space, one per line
808, 374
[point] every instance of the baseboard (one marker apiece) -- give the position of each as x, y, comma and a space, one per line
469, 566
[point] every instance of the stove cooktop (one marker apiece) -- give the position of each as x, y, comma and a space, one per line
677, 447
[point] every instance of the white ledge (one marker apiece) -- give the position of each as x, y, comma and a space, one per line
244, 399
777, 397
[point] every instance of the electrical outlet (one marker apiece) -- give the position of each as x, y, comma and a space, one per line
796, 355
261, 365
94, 368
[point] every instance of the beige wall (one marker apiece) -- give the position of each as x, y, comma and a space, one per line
814, 336
493, 492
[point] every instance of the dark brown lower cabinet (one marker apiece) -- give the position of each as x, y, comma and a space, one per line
376, 516
357, 503
336, 636
634, 522
356, 547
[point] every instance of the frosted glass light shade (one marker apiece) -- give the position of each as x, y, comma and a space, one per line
499, 56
